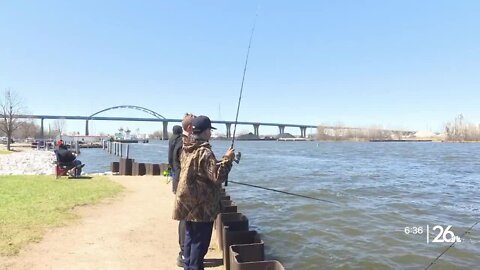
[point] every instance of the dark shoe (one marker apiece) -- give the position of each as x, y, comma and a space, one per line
180, 261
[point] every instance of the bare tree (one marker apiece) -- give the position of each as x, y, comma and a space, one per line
375, 133
320, 133
10, 105
460, 130
471, 132
59, 126
452, 129
27, 129
157, 135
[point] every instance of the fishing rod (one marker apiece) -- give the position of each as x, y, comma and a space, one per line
284, 192
243, 79
239, 155
449, 247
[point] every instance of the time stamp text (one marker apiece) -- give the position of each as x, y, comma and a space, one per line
434, 233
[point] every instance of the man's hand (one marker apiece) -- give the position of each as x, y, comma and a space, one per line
230, 154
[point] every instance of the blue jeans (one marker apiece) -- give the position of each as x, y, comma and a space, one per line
181, 235
77, 163
195, 247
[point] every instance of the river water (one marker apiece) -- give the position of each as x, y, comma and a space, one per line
378, 189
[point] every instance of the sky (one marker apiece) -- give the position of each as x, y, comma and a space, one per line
411, 65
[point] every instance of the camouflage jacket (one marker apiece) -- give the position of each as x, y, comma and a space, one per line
201, 177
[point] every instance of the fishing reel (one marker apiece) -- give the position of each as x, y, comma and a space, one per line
237, 158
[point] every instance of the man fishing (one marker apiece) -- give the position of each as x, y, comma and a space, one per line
197, 199
180, 142
174, 147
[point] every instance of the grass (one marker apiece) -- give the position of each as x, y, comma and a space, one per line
31, 204
4, 152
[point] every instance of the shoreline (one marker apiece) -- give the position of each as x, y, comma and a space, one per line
27, 162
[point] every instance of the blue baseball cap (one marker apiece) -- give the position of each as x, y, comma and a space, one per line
201, 123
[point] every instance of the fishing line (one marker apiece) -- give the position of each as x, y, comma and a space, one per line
445, 251
237, 159
284, 192
243, 78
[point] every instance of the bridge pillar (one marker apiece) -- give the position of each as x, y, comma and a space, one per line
86, 128
281, 129
165, 131
41, 129
303, 132
228, 132
255, 129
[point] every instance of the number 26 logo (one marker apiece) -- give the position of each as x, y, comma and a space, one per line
444, 235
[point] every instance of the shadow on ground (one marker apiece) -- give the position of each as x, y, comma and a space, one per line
212, 262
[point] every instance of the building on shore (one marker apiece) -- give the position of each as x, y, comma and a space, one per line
84, 139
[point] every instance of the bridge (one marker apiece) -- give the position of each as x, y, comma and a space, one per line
165, 121
159, 118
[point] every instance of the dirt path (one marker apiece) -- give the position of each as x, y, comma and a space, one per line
132, 231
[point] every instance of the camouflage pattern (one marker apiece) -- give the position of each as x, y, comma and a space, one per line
187, 139
201, 177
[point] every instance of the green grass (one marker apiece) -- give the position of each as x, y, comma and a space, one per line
31, 204
4, 152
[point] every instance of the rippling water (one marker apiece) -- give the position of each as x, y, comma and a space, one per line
378, 190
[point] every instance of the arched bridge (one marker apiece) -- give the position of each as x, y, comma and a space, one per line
133, 107
157, 115
159, 118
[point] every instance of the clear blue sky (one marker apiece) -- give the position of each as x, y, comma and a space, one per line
399, 64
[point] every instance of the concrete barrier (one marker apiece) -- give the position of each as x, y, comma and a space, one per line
234, 237
235, 221
251, 257
242, 249
138, 168
115, 166
126, 166
262, 265
163, 167
247, 252
228, 206
152, 169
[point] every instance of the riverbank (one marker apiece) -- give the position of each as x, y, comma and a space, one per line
132, 231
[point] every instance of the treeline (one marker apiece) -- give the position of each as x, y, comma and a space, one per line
458, 130
462, 131
28, 129
339, 133
25, 129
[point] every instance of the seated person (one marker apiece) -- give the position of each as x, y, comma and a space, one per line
67, 157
